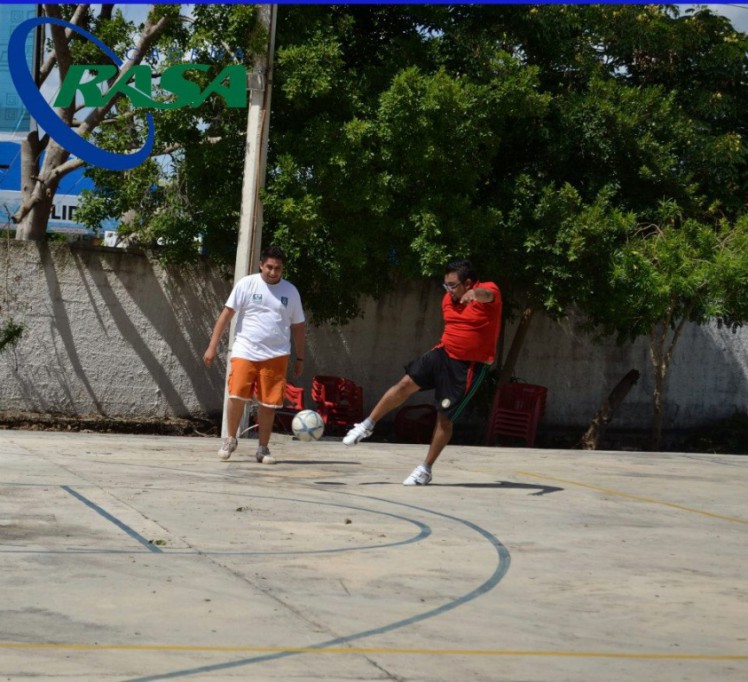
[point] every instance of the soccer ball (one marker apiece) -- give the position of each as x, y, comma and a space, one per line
308, 425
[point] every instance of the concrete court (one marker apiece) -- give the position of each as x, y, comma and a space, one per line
145, 558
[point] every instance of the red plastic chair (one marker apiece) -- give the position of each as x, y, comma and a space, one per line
340, 402
415, 424
293, 402
516, 411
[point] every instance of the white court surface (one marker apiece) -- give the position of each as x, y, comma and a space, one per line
146, 558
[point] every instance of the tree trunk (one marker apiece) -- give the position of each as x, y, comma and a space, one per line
597, 427
661, 351
658, 398
507, 369
38, 187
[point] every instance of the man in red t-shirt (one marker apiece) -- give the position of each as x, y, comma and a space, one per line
454, 368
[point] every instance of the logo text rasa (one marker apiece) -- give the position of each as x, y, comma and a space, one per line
230, 84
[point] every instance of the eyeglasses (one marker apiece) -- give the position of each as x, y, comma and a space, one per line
451, 286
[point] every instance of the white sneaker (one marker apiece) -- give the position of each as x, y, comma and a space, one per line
263, 455
420, 476
357, 433
228, 446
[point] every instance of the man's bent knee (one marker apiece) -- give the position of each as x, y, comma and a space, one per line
407, 385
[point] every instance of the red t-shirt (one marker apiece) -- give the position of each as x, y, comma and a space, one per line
471, 331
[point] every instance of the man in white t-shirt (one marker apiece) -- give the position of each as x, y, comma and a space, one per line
270, 316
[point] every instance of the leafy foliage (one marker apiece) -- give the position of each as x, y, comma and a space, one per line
536, 140
10, 334
191, 189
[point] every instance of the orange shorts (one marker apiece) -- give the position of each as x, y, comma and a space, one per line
264, 380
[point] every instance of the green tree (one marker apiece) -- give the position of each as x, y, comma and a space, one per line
190, 189
669, 273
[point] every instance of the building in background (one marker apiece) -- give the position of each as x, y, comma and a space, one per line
14, 117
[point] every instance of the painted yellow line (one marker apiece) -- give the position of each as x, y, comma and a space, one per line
639, 498
375, 650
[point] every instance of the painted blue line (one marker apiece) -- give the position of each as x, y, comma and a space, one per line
423, 532
504, 559
136, 536
423, 529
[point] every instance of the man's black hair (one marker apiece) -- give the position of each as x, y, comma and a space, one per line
273, 251
464, 270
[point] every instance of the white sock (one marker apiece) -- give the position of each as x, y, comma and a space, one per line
369, 423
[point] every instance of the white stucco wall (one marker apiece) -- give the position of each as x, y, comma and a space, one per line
107, 332
708, 377
114, 333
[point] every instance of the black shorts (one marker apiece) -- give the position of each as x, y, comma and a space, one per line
454, 381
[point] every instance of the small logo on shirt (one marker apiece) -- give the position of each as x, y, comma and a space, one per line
257, 297
284, 300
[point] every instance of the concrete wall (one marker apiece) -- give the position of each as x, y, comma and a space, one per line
708, 375
114, 333
108, 332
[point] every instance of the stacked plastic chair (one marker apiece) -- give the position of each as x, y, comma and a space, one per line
293, 402
517, 409
340, 402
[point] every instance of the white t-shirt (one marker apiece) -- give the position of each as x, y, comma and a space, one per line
265, 313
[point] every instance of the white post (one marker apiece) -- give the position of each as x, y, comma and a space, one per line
255, 162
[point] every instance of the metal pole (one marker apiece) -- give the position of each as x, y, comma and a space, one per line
255, 163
